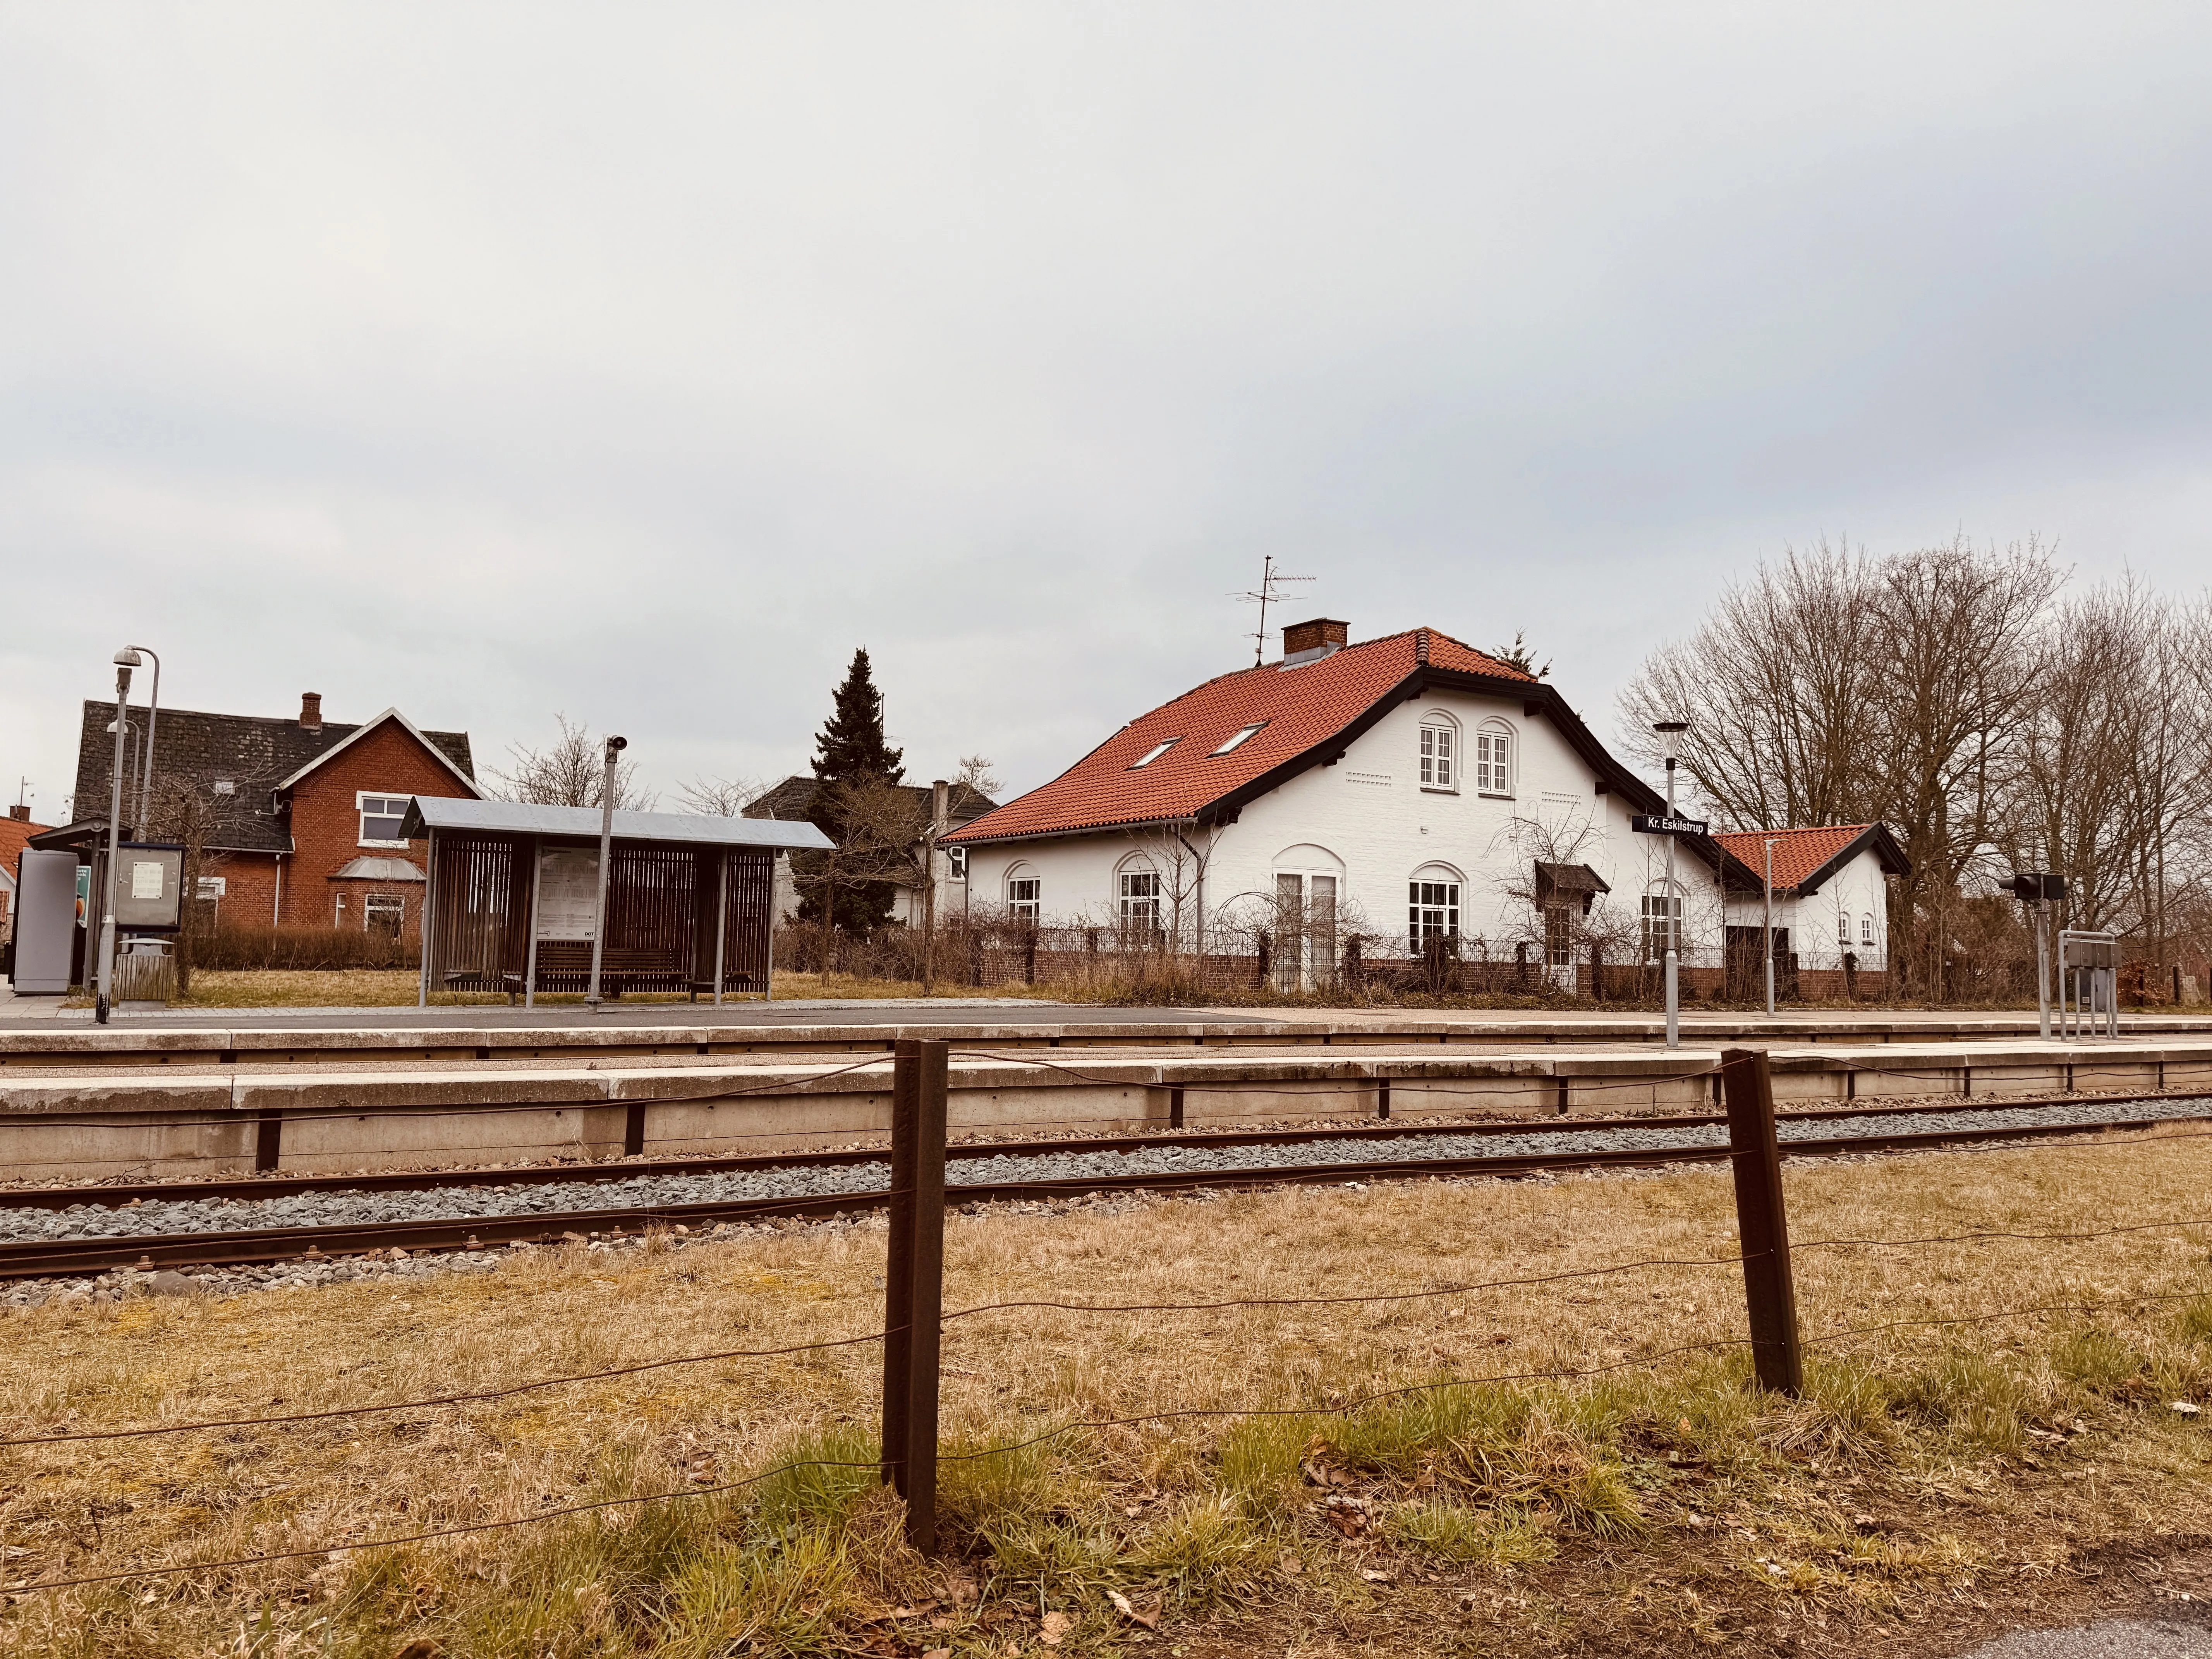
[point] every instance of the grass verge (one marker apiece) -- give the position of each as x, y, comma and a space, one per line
1417, 1477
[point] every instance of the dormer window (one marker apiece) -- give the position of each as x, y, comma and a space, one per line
1155, 752
1243, 736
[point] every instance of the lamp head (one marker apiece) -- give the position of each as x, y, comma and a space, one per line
128, 657
615, 746
1670, 730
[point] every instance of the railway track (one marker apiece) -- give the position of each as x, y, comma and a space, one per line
52, 1258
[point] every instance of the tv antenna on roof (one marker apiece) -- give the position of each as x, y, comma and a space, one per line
1271, 581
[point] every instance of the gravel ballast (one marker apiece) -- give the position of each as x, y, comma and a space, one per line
801, 1179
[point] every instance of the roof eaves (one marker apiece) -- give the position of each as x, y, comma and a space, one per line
370, 725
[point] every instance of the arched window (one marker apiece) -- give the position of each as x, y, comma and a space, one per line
1866, 928
1493, 758
1137, 893
1662, 921
1439, 751
1024, 893
1431, 906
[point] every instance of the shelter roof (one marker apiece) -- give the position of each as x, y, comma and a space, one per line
508, 817
1178, 763
1805, 858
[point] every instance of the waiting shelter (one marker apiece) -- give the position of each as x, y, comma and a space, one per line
513, 897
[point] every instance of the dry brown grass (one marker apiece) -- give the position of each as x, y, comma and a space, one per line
1929, 1468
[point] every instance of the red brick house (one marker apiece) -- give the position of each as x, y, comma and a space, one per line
306, 813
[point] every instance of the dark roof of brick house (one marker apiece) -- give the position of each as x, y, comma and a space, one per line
253, 752
794, 798
1306, 713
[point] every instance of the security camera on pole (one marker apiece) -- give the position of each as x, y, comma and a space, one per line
1670, 826
615, 746
125, 661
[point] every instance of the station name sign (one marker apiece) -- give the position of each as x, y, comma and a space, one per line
1648, 823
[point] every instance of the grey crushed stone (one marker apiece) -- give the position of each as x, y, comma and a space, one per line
799, 1180
2108, 1639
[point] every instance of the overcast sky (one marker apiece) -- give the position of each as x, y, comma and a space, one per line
640, 362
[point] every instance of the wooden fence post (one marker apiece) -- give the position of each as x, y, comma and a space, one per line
1762, 1225
914, 1283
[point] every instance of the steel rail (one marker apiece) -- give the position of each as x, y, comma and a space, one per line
54, 1257
117, 1196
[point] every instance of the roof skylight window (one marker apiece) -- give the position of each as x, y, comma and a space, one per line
1240, 737
1156, 752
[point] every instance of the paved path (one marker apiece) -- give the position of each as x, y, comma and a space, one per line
2108, 1639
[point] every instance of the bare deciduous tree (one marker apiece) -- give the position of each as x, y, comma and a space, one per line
571, 771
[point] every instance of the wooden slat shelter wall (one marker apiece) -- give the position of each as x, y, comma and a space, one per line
660, 917
480, 907
746, 908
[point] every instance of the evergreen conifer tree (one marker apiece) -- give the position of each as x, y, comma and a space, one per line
852, 746
850, 753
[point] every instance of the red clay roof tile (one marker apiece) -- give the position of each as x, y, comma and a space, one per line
1797, 853
1302, 705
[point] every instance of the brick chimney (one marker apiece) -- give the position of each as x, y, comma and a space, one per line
20, 814
311, 710
1310, 641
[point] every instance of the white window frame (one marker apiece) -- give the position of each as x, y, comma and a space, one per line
1153, 754
1654, 919
1439, 755
1866, 930
1441, 906
360, 800
1495, 743
374, 903
956, 864
1025, 895
1241, 736
1139, 896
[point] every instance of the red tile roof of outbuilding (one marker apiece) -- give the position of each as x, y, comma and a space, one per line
1302, 705
1799, 854
14, 832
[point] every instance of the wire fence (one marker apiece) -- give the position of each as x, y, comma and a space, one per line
914, 1270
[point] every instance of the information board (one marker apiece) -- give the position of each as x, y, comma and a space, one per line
567, 892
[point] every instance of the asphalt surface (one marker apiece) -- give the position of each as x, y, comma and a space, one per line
2108, 1639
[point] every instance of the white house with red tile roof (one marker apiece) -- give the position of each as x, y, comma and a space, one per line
1831, 895
1400, 788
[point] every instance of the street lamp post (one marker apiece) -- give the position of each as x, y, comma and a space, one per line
615, 746
125, 661
1670, 730
1769, 929
152, 713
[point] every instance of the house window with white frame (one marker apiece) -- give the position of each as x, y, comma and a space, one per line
383, 913
1662, 918
1432, 912
1439, 755
382, 816
1866, 928
1024, 898
1493, 759
1139, 900
956, 864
